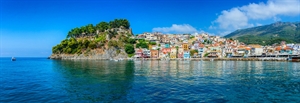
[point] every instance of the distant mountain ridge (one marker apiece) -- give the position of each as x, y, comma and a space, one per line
269, 34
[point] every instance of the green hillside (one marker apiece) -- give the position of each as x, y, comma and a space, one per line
105, 35
269, 34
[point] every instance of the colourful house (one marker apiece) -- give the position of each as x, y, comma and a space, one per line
186, 54
180, 53
146, 53
138, 53
149, 47
213, 54
166, 50
154, 53
185, 46
173, 53
201, 50
167, 45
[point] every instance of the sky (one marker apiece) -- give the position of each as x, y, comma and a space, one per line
30, 28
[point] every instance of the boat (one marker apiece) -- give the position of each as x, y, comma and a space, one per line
13, 59
294, 59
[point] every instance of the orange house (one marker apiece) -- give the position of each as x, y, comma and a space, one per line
154, 53
185, 46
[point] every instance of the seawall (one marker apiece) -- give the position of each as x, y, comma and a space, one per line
220, 59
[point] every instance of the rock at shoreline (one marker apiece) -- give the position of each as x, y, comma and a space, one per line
110, 53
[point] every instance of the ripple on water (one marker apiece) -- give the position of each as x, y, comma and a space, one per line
43, 80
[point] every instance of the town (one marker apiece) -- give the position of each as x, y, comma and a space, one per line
203, 45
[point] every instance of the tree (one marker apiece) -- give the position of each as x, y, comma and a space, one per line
92, 45
85, 43
90, 29
102, 26
152, 43
118, 23
191, 37
129, 49
131, 41
192, 52
124, 23
83, 31
142, 45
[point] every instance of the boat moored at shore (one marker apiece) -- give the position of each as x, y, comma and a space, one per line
13, 59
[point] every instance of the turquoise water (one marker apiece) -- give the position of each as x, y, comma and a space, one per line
44, 80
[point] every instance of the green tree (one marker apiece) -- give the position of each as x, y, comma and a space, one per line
102, 26
192, 52
90, 29
129, 49
92, 45
142, 45
152, 43
83, 31
131, 41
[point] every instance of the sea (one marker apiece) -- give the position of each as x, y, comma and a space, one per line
42, 80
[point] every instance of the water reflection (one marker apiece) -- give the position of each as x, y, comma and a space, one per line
95, 81
178, 81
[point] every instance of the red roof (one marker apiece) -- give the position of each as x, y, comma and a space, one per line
248, 48
201, 45
287, 48
278, 48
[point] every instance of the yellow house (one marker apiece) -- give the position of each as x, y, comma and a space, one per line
173, 53
150, 46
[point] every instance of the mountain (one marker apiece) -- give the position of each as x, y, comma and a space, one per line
269, 34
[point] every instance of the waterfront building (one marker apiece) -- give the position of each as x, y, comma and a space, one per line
154, 53
180, 53
173, 52
185, 46
256, 50
166, 50
201, 50
138, 53
146, 53
186, 54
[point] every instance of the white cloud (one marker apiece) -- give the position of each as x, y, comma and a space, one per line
272, 8
239, 17
233, 18
175, 28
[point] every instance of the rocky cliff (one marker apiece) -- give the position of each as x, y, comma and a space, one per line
103, 41
93, 54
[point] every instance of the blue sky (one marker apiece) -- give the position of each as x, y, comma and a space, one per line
30, 28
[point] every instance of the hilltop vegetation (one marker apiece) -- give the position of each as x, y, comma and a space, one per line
115, 34
269, 34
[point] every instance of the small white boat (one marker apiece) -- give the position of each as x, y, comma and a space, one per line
116, 60
13, 59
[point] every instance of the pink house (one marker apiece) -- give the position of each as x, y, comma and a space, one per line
138, 53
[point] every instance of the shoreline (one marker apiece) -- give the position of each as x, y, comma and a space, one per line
190, 59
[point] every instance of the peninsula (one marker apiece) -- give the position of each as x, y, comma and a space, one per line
115, 40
